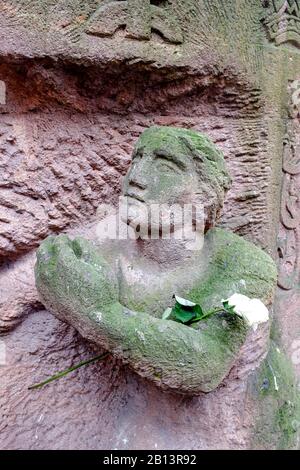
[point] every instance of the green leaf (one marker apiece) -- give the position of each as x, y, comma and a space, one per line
186, 312
183, 314
198, 310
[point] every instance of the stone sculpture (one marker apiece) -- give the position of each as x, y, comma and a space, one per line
115, 292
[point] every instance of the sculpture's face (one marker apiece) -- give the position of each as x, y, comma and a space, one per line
160, 173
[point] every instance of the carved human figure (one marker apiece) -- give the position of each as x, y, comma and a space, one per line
115, 292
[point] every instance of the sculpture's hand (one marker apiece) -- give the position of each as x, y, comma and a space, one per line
72, 273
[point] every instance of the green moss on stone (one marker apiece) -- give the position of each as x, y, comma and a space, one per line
191, 143
236, 266
77, 285
275, 388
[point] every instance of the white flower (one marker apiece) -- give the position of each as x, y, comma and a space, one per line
252, 310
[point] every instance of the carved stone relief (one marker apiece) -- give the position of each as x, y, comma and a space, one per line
289, 232
283, 21
80, 82
139, 17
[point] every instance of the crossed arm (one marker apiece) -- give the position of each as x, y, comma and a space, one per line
79, 287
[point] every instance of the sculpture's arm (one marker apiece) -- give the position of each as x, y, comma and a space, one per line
76, 284
237, 266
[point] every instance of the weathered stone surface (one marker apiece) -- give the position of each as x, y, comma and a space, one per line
226, 79
114, 408
78, 285
57, 165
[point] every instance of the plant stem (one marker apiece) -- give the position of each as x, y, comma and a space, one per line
208, 314
212, 312
67, 371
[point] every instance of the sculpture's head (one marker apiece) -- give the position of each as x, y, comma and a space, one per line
177, 166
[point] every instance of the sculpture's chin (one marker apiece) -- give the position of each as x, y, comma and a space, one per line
136, 216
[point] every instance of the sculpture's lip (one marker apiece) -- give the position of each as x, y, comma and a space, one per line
134, 196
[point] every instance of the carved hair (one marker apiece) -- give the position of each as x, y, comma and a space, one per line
213, 177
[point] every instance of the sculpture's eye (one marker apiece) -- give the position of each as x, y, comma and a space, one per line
167, 164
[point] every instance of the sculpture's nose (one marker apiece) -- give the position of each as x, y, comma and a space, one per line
138, 175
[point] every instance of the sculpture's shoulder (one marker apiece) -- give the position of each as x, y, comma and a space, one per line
241, 263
